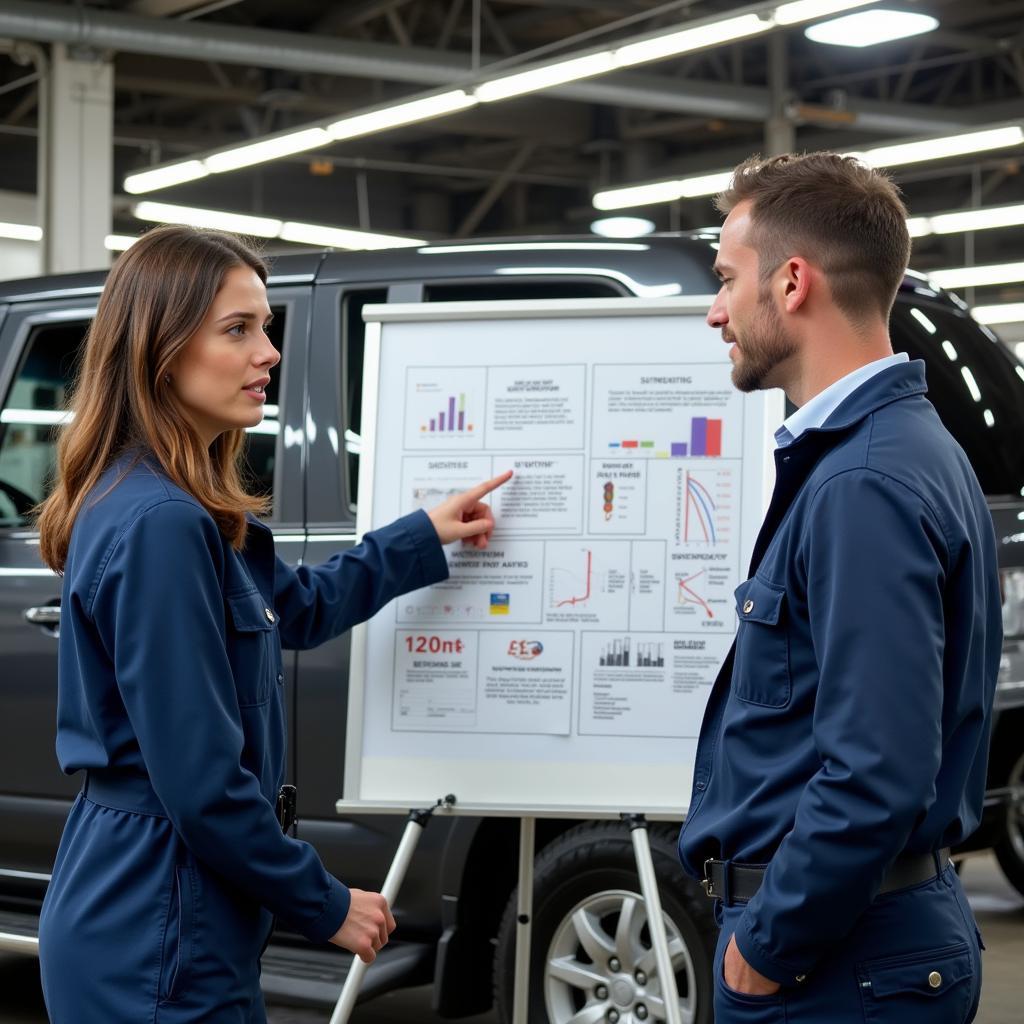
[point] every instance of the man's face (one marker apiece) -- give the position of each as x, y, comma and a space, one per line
744, 310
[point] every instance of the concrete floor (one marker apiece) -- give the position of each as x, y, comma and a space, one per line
998, 907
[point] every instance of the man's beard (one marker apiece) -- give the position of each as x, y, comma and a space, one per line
765, 345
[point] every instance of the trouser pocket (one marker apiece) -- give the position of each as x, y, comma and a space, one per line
732, 1007
931, 987
176, 956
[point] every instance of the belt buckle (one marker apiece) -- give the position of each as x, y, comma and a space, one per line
706, 881
286, 807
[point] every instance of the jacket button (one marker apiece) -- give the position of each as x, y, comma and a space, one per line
269, 614
800, 978
748, 607
935, 979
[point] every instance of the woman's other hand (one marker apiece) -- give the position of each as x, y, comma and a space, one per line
465, 517
367, 925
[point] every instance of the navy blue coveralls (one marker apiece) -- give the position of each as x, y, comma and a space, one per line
172, 863
849, 726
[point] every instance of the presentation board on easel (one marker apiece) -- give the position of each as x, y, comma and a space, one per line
569, 663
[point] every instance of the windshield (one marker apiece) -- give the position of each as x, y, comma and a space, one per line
976, 385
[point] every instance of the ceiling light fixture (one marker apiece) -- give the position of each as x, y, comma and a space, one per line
1001, 137
711, 32
966, 220
869, 28
976, 277
1002, 313
269, 227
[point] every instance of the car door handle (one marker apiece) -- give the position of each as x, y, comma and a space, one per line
44, 615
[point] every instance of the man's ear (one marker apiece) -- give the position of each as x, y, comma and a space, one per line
795, 275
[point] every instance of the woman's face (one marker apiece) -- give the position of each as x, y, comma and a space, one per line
220, 375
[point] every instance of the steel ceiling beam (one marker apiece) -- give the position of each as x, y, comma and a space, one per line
294, 51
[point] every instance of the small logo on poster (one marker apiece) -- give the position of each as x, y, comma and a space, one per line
499, 604
525, 650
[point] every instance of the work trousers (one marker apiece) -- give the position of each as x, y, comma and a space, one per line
914, 957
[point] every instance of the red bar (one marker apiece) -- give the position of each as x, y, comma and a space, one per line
630, 444
714, 442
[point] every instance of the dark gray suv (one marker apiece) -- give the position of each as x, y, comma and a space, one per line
457, 909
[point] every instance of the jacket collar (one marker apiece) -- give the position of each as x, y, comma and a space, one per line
889, 385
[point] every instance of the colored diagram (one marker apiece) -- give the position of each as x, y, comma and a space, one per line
705, 506
451, 420
609, 501
705, 439
688, 592
583, 583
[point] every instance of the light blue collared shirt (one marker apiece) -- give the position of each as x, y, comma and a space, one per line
822, 405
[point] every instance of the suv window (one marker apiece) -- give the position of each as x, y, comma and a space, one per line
975, 384
34, 409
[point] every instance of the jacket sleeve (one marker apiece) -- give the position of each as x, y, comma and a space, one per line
159, 609
319, 602
875, 558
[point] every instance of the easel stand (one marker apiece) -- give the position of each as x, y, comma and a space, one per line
416, 822
414, 827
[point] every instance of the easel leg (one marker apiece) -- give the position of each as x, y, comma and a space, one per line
414, 827
524, 910
655, 917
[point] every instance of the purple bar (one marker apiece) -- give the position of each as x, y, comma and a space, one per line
462, 420
451, 413
433, 425
699, 435
678, 448
441, 417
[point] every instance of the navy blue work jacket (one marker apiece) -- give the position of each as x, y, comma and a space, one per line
171, 672
850, 722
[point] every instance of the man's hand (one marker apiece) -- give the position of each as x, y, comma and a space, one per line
465, 517
741, 977
367, 926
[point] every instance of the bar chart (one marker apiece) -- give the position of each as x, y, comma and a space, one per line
450, 419
621, 653
705, 440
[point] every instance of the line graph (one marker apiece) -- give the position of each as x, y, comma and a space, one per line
705, 506
686, 594
588, 576
700, 510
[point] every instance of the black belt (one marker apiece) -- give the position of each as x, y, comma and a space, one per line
738, 883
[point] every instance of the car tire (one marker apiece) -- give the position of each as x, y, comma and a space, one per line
590, 943
1009, 842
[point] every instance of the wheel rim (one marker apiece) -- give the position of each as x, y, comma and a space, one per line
1015, 811
601, 966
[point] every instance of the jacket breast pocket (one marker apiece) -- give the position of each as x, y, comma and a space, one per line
252, 646
761, 673
933, 987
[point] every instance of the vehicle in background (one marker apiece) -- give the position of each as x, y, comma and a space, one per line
457, 909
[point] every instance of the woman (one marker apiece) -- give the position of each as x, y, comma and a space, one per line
174, 613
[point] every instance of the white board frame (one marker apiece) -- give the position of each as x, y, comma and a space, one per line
376, 316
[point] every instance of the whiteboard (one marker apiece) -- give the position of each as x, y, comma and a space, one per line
568, 665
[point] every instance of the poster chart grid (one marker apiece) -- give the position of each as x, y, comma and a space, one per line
570, 661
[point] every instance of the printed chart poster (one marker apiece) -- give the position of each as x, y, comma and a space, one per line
602, 606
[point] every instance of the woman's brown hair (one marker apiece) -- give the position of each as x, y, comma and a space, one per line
154, 301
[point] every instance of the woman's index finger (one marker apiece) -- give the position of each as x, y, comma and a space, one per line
476, 493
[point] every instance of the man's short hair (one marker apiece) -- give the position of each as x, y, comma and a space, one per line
833, 210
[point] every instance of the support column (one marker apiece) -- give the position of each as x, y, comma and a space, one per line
779, 132
80, 143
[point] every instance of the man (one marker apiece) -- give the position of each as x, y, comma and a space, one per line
844, 745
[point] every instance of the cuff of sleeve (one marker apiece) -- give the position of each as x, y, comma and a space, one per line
760, 960
332, 917
433, 564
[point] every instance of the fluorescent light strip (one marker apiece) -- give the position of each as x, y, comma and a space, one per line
878, 156
1003, 313
643, 50
400, 114
966, 220
269, 227
973, 277
118, 243
38, 417
869, 28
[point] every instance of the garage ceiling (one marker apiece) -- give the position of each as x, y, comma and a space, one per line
530, 165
